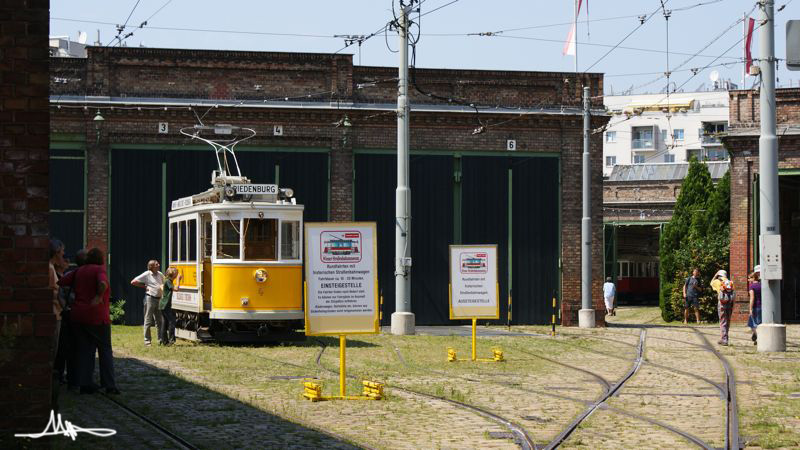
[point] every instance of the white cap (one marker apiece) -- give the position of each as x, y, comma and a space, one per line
757, 268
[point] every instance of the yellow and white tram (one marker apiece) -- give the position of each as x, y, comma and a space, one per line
238, 248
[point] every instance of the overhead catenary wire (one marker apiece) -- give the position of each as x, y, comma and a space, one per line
120, 38
678, 88
641, 24
698, 53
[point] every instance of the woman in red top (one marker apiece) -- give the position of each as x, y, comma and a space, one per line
91, 320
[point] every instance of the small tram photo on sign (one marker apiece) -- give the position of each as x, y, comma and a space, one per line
473, 282
341, 278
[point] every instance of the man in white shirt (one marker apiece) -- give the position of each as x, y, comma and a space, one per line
152, 280
609, 292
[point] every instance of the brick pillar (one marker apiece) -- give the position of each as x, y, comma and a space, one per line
342, 175
27, 322
97, 186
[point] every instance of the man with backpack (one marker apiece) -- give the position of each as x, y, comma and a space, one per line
691, 296
724, 289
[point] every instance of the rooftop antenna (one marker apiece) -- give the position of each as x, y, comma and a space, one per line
223, 146
714, 77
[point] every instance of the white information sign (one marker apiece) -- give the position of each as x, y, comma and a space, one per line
473, 282
342, 278
255, 188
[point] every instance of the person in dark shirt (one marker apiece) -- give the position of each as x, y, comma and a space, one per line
172, 284
691, 296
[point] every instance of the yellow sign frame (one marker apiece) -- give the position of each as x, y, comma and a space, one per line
337, 325
450, 285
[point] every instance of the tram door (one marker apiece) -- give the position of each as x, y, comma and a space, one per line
207, 239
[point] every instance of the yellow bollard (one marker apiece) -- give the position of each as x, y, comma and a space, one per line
372, 389
451, 354
312, 391
497, 355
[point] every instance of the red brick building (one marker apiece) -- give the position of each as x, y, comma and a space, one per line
742, 142
26, 313
499, 161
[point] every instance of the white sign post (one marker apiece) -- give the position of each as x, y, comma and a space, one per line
474, 291
341, 282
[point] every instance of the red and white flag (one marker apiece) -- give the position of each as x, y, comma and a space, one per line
569, 44
748, 57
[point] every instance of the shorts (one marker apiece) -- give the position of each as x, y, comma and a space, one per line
691, 302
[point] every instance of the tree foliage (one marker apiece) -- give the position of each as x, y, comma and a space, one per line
697, 236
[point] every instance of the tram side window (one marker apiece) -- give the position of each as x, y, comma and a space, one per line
192, 241
208, 244
182, 248
173, 234
623, 269
227, 239
261, 239
290, 240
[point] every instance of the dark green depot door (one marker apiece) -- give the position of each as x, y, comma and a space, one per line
431, 228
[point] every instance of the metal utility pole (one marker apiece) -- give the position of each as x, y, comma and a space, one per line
586, 317
403, 318
771, 333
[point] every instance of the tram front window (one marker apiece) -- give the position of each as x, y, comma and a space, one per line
227, 239
290, 240
260, 239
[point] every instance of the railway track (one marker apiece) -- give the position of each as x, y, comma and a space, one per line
728, 390
609, 391
561, 437
520, 435
732, 410
178, 441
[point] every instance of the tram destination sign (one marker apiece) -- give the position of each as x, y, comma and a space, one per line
342, 278
258, 189
473, 282
180, 203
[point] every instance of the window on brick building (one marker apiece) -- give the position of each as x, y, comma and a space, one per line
67, 218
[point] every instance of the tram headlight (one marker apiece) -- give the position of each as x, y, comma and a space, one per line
230, 192
286, 193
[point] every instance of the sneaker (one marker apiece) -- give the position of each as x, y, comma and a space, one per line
147, 344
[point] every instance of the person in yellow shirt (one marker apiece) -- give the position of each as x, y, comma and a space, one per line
724, 289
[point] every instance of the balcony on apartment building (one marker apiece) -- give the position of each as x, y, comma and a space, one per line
643, 138
711, 132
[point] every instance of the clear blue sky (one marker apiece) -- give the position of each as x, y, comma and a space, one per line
528, 28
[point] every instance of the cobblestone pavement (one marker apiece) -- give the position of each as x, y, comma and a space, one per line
249, 397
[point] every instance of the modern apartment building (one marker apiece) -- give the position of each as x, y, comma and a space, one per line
657, 128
